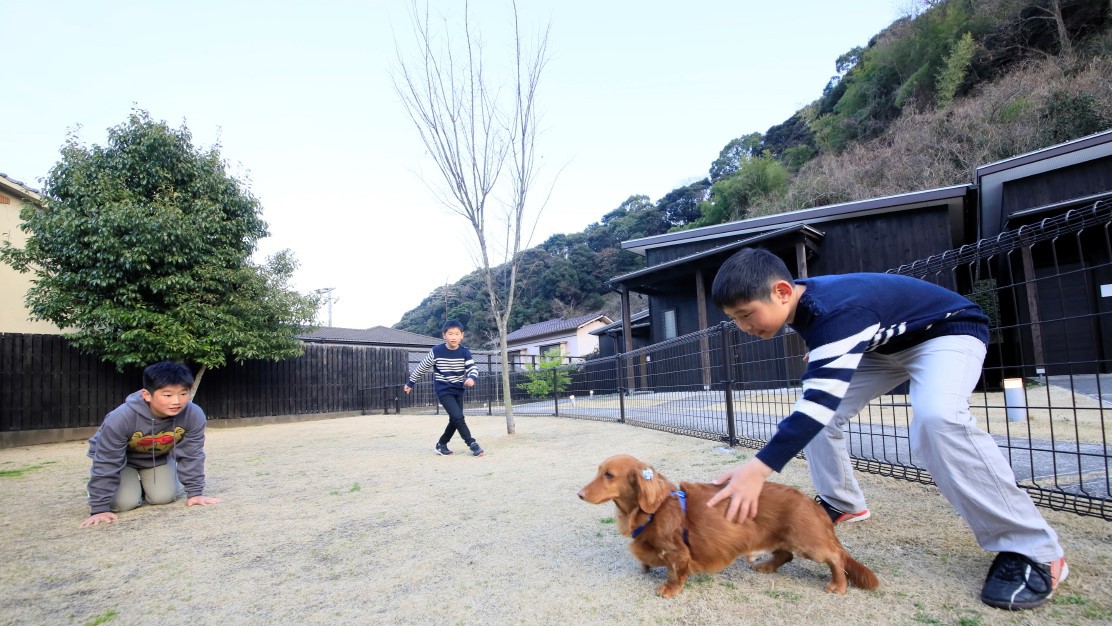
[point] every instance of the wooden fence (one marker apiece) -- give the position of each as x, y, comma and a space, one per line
45, 383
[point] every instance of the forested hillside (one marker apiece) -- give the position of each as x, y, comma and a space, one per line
961, 84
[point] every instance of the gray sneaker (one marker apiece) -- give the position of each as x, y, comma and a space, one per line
475, 449
441, 449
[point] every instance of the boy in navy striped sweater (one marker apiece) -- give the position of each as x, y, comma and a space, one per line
866, 334
453, 371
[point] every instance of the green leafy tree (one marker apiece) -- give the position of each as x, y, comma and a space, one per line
733, 155
142, 254
548, 377
955, 71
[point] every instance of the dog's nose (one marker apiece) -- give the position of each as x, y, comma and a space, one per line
580, 495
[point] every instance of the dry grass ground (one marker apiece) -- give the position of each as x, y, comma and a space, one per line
354, 521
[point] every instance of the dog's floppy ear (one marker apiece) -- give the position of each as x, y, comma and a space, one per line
651, 489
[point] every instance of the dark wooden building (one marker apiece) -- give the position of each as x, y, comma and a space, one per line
1060, 287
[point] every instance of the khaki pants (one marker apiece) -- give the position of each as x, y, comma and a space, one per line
157, 485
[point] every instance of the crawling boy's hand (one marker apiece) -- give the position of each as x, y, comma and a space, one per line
201, 501
106, 517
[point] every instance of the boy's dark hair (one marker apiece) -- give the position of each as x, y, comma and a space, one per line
450, 324
166, 373
747, 276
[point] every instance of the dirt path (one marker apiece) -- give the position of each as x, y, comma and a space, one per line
356, 521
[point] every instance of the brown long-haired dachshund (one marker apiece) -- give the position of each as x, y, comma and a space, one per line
674, 528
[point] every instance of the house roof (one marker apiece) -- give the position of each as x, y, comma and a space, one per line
377, 335
953, 196
17, 188
637, 320
1065, 149
634, 280
553, 327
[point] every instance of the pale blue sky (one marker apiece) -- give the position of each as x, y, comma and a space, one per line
638, 98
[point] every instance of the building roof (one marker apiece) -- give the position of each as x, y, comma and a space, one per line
553, 327
376, 335
17, 188
640, 280
637, 320
953, 196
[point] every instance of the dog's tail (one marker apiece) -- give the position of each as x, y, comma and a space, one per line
860, 575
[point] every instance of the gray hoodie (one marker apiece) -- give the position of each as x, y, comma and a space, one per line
131, 436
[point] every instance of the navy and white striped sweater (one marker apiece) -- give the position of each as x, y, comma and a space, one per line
841, 317
450, 368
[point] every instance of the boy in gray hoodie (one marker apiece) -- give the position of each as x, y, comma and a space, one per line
149, 448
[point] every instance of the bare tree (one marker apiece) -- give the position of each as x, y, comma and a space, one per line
475, 133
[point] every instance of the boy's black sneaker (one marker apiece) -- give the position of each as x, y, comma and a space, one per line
838, 516
442, 449
1016, 582
475, 449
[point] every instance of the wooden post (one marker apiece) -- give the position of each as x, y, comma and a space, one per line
627, 333
704, 342
1033, 305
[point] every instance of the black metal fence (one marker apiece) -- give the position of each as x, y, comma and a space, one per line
1045, 394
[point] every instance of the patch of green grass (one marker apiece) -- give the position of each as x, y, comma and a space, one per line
253, 459
20, 471
790, 596
922, 617
353, 489
698, 580
606, 520
104, 617
1069, 599
729, 584
974, 620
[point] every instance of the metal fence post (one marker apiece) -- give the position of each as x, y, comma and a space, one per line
491, 385
555, 394
728, 387
621, 390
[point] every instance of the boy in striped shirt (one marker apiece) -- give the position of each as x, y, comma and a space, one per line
866, 334
454, 371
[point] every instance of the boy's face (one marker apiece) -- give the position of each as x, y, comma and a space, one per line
167, 401
453, 337
763, 318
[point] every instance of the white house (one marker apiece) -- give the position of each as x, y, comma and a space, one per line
571, 337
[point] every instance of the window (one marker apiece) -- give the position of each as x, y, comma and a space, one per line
670, 324
550, 348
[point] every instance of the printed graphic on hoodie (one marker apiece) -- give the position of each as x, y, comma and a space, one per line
159, 443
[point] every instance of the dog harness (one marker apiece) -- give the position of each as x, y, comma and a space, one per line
682, 497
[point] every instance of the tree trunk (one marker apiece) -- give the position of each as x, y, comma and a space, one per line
507, 392
197, 382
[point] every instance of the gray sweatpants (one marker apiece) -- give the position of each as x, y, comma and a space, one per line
964, 460
156, 485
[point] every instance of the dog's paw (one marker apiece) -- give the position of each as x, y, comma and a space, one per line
834, 587
668, 590
766, 567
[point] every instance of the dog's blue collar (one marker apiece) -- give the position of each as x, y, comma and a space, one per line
682, 497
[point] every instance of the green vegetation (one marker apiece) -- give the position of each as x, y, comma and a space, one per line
926, 100
143, 252
548, 377
103, 618
20, 471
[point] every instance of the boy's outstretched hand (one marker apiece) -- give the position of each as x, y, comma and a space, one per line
743, 489
201, 501
106, 517
407, 388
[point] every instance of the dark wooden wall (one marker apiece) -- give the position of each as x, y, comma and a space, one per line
46, 383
